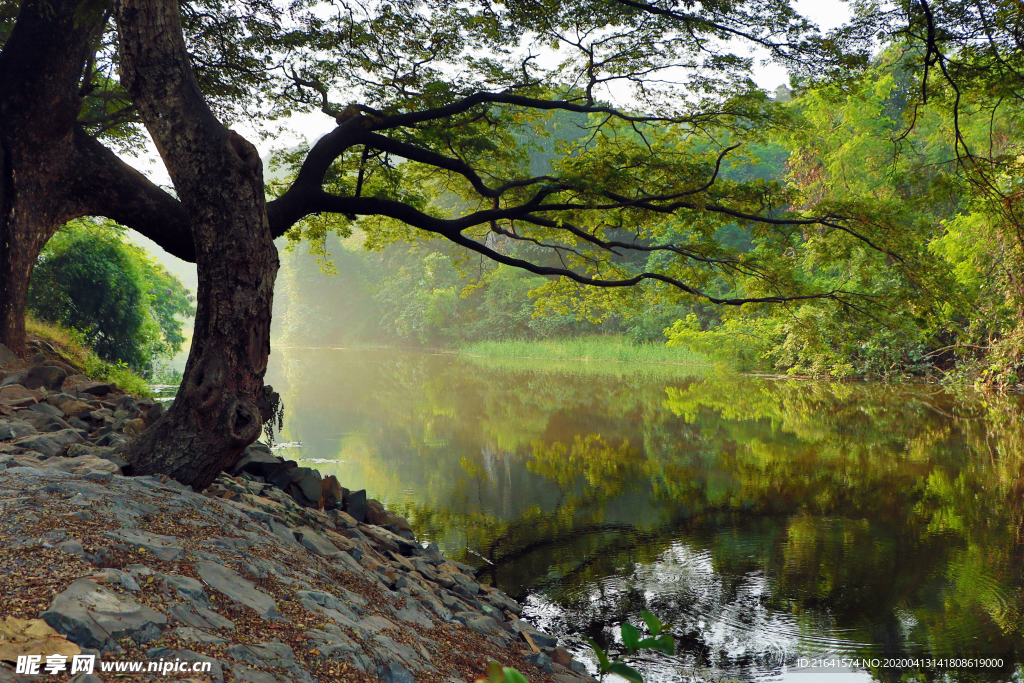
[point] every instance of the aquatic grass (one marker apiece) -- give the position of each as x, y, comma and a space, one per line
596, 355
587, 349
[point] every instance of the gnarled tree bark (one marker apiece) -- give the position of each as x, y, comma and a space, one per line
51, 171
219, 180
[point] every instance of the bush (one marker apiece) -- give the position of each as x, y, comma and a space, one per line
125, 305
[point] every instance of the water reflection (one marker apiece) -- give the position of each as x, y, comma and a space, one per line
764, 519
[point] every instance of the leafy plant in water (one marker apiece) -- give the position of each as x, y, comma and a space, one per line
658, 640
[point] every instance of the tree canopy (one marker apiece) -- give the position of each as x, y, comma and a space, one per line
438, 108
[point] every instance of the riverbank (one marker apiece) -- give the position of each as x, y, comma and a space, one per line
586, 349
273, 574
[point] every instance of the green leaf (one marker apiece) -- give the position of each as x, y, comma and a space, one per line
513, 676
654, 624
666, 643
601, 656
630, 637
626, 671
495, 672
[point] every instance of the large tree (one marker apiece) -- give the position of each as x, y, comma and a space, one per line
458, 93
452, 91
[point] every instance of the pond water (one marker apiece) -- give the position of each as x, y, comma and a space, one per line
766, 520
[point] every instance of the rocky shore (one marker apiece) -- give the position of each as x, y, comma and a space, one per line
272, 574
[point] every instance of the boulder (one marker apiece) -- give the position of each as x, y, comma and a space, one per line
375, 513
46, 377
306, 487
393, 672
257, 459
70, 406
41, 444
13, 429
47, 409
80, 384
17, 396
541, 661
7, 357
19, 378
333, 493
355, 506
96, 617
42, 421
315, 542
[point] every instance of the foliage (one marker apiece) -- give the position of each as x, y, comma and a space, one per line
73, 345
864, 141
658, 640
126, 306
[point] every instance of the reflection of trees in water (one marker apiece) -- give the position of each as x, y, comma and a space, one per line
895, 511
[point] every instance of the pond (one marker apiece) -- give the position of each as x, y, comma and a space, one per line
767, 520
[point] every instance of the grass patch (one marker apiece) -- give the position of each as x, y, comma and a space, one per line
71, 345
587, 349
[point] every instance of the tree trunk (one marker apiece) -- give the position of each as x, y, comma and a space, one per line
50, 170
40, 66
218, 177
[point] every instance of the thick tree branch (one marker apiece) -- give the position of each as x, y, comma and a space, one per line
109, 187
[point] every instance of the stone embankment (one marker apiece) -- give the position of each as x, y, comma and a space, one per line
274, 574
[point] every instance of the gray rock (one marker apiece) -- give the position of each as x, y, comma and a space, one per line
96, 617
356, 505
18, 378
479, 623
394, 672
503, 602
44, 422
112, 439
326, 604
541, 661
414, 615
433, 554
200, 617
237, 587
121, 578
264, 654
15, 429
284, 533
186, 587
164, 548
307, 482
47, 409
332, 643
46, 377
72, 547
257, 459
541, 639
315, 542
83, 385
41, 444
198, 635
7, 357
